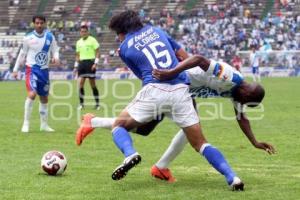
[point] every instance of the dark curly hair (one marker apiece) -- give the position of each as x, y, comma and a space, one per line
125, 22
41, 17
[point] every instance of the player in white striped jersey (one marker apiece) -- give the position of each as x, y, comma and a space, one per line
38, 45
254, 63
219, 80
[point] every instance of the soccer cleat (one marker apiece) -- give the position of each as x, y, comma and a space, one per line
237, 184
25, 128
129, 162
46, 128
85, 128
163, 174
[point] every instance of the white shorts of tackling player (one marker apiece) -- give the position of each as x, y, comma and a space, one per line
173, 100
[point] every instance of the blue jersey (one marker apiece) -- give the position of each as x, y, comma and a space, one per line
150, 48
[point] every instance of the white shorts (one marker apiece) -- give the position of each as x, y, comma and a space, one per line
173, 100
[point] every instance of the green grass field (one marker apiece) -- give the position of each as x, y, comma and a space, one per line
88, 175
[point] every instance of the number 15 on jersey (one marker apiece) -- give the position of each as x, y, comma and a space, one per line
157, 57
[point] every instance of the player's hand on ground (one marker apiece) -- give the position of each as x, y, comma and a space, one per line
265, 146
15, 75
163, 74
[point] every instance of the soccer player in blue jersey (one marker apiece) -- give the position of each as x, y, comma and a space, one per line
144, 48
37, 46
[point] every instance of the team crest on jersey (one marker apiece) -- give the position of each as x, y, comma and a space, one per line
41, 58
130, 42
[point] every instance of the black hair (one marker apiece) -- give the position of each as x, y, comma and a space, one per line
126, 22
257, 95
41, 17
251, 94
84, 27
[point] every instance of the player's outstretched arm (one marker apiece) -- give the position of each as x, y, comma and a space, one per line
245, 126
193, 61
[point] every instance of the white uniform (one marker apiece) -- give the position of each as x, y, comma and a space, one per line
36, 50
155, 99
205, 84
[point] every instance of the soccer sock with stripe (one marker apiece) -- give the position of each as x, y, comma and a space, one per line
27, 110
217, 160
123, 141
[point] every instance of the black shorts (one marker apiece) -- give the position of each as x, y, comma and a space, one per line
85, 69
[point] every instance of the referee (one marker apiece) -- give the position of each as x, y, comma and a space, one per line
86, 61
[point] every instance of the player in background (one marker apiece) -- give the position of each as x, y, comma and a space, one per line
254, 63
142, 49
37, 46
86, 61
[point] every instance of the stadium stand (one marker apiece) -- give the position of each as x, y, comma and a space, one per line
214, 28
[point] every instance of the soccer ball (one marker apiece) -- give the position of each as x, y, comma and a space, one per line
54, 163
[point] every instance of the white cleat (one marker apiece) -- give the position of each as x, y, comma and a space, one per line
25, 128
237, 184
46, 128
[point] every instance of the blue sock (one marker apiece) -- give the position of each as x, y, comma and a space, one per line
123, 141
217, 160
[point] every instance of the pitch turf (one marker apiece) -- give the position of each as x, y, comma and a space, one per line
88, 175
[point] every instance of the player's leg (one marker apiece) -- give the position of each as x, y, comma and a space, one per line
185, 116
28, 110
31, 94
43, 110
81, 81
90, 122
160, 169
123, 141
258, 74
213, 155
43, 85
93, 85
254, 73
142, 109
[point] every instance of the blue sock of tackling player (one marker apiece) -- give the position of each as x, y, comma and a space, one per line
217, 160
123, 141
